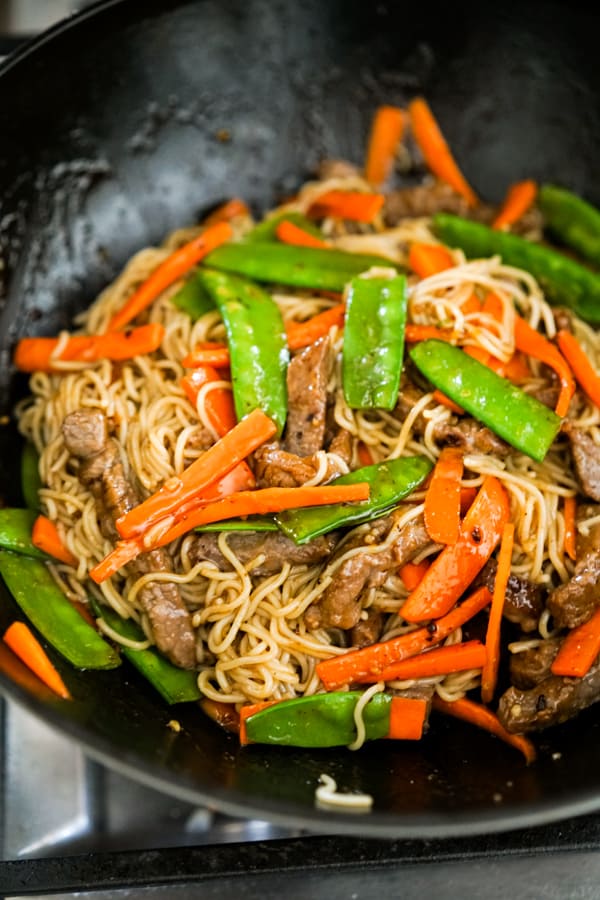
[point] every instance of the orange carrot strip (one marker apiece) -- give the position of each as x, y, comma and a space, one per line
570, 514
435, 149
493, 306
415, 333
29, 650
441, 398
250, 710
478, 353
365, 457
45, 536
585, 374
467, 496
429, 259
579, 650
357, 206
407, 719
479, 715
471, 305
301, 334
451, 573
36, 354
531, 342
489, 676
439, 661
519, 197
207, 353
516, 368
412, 573
289, 233
174, 267
373, 660
442, 500
252, 431
229, 210
387, 129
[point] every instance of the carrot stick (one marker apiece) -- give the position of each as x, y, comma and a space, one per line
252, 431
229, 210
385, 136
451, 573
234, 505
489, 676
36, 354
484, 718
29, 650
435, 149
579, 650
45, 536
358, 206
517, 201
365, 456
493, 306
442, 500
471, 305
174, 267
289, 233
440, 661
467, 496
373, 660
441, 398
585, 374
570, 514
207, 353
407, 718
301, 334
415, 333
429, 259
413, 573
531, 342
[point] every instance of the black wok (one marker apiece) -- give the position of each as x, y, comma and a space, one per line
132, 119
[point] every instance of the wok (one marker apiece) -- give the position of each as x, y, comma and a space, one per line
131, 119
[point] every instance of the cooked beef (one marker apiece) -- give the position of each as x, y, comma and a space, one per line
428, 199
575, 601
274, 467
552, 701
276, 548
586, 458
530, 667
307, 377
341, 445
563, 319
470, 437
199, 441
224, 714
547, 394
524, 600
337, 168
101, 471
367, 631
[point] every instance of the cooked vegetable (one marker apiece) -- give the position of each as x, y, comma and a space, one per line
484, 718
440, 661
534, 344
570, 515
373, 348
387, 129
23, 644
572, 220
49, 611
45, 536
489, 675
252, 523
356, 206
16, 526
513, 415
289, 233
584, 372
519, 198
564, 281
193, 298
442, 500
207, 353
220, 410
579, 650
388, 481
413, 573
301, 334
231, 209
413, 334
429, 259
31, 481
267, 229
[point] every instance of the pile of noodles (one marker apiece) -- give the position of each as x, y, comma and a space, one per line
252, 641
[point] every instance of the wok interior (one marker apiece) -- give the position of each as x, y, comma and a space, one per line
136, 119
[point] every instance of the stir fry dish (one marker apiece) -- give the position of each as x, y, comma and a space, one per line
334, 471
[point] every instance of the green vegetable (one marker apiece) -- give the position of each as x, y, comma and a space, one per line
257, 344
266, 230
388, 481
31, 481
193, 298
509, 412
374, 341
173, 684
252, 523
15, 531
563, 280
308, 267
572, 220
321, 720
48, 610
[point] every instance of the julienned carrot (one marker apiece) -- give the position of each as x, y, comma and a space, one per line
235, 505
451, 573
570, 514
442, 500
471, 305
531, 342
585, 374
387, 129
579, 650
467, 497
440, 397
440, 661
365, 457
429, 259
413, 573
252, 431
517, 201
45, 536
29, 650
408, 716
37, 354
357, 664
489, 676
169, 271
435, 150
207, 353
415, 333
358, 206
290, 233
301, 334
229, 210
484, 718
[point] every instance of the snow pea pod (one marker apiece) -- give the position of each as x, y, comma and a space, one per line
48, 610
31, 481
388, 482
257, 344
252, 523
193, 298
374, 341
563, 280
509, 412
572, 220
15, 531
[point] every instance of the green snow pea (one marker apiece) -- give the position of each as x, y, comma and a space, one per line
30, 476
570, 219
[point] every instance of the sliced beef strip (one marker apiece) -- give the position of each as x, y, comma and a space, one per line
586, 458
307, 377
275, 467
524, 600
367, 630
575, 601
552, 701
341, 445
336, 168
277, 549
428, 199
101, 471
532, 666
563, 319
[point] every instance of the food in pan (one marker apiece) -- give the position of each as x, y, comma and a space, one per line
334, 471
